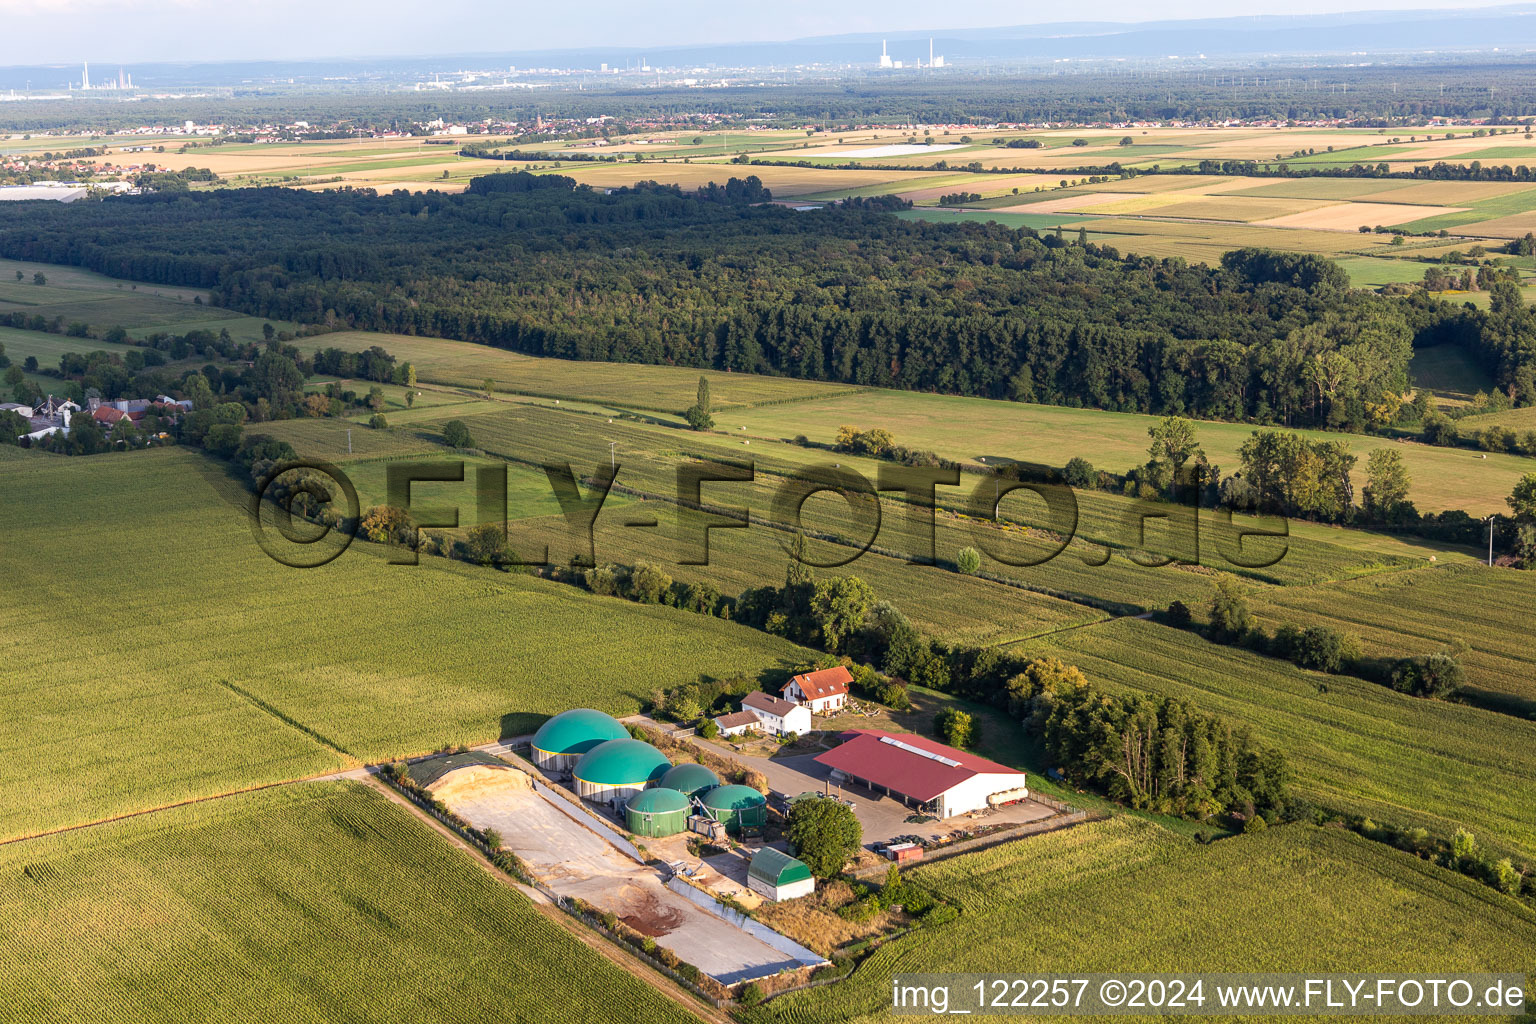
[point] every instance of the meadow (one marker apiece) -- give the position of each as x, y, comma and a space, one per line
105, 302
1118, 896
1428, 610
631, 385
197, 665
314, 902
651, 449
1449, 374
1006, 603
1352, 746
979, 431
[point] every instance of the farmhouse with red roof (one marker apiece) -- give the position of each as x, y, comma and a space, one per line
923, 774
822, 691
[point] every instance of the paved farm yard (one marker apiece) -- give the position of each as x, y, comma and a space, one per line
574, 861
882, 817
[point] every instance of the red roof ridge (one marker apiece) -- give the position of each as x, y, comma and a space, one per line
823, 682
907, 763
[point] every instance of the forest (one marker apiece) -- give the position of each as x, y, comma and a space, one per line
716, 278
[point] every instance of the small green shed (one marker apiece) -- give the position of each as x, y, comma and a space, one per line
778, 876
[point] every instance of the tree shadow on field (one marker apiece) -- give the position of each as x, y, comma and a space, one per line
520, 723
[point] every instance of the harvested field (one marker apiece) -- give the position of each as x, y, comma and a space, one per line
982, 184
1074, 203
1350, 216
1153, 183
1506, 227
1327, 188
782, 181
1456, 193
1237, 208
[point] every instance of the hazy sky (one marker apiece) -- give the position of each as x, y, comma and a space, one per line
124, 31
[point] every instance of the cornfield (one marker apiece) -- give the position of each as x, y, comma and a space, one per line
313, 902
1126, 896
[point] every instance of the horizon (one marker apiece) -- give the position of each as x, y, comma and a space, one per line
74, 32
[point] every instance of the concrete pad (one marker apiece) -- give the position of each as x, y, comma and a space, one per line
574, 861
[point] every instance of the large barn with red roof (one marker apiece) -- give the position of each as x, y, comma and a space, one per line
924, 774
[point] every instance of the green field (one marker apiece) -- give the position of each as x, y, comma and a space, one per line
1354, 155
48, 348
105, 302
528, 490
626, 384
650, 453
1352, 745
61, 277
197, 665
976, 429
1043, 222
1518, 420
1370, 272
1127, 896
1451, 375
317, 902
1426, 610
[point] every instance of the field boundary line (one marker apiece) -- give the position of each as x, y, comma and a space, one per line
1066, 629
328, 777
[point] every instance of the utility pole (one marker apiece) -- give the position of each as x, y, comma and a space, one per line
613, 456
349, 440
1489, 520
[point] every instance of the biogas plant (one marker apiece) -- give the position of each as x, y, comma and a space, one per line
635, 781
601, 821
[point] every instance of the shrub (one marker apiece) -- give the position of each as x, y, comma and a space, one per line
955, 727
648, 583
1506, 878
487, 544
1231, 618
378, 422
940, 914
603, 579
1434, 675
751, 994
968, 561
1178, 615
1080, 473
456, 435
